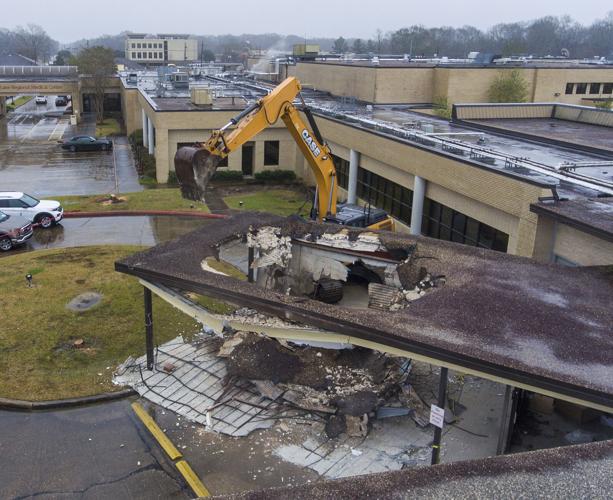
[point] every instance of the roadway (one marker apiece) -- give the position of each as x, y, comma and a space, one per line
93, 452
32, 161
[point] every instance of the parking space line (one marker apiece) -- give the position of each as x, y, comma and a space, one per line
175, 455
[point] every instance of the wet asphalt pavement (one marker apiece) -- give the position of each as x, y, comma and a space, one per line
91, 452
31, 159
143, 231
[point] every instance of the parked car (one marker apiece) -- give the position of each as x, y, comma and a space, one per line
46, 213
14, 230
41, 99
61, 100
87, 143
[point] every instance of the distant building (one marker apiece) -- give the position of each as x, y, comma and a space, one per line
161, 48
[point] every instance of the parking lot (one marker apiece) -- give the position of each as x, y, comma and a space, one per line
31, 159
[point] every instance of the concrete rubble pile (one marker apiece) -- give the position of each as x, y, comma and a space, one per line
346, 387
320, 266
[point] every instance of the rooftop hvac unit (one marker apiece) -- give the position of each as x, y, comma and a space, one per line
201, 97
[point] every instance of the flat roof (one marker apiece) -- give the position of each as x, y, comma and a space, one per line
592, 215
577, 133
506, 318
416, 64
185, 104
581, 471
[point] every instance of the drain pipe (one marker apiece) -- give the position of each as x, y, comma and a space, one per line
417, 209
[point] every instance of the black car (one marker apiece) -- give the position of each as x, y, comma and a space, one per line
61, 100
87, 143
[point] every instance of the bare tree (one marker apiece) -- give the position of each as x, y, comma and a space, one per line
98, 64
32, 41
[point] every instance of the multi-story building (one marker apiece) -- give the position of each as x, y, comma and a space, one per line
161, 49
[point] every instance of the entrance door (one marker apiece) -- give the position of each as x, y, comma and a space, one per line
248, 156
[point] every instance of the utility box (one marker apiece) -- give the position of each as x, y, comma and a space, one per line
305, 51
201, 97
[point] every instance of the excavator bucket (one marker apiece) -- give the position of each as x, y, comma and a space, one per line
194, 168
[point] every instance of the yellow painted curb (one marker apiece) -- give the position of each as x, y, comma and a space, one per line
175, 455
158, 434
192, 479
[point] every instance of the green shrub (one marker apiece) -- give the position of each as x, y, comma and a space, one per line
441, 107
276, 176
147, 165
508, 87
227, 175
172, 179
607, 104
136, 138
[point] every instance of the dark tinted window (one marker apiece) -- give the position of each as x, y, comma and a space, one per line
607, 88
569, 88
581, 88
444, 223
271, 152
594, 88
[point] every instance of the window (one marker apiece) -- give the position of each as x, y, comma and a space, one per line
271, 152
149, 46
569, 88
382, 193
581, 88
138, 46
133, 45
144, 55
139, 56
444, 223
342, 171
594, 88
150, 55
607, 88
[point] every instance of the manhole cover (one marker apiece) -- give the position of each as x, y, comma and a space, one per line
84, 301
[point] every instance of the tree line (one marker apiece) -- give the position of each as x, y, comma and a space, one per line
550, 35
31, 41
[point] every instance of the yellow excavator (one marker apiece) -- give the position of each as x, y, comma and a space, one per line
196, 165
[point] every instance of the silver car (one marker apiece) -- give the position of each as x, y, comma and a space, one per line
14, 230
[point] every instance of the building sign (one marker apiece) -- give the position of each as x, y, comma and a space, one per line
12, 88
437, 416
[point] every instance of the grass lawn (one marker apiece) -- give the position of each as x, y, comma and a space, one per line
20, 101
109, 126
277, 201
149, 199
38, 360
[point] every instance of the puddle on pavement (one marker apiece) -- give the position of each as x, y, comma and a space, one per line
146, 231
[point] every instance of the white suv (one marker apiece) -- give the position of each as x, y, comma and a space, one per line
46, 213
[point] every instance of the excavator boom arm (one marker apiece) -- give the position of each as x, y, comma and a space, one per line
197, 165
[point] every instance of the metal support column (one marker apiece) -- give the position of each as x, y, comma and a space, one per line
438, 432
145, 129
352, 183
250, 269
417, 210
507, 419
148, 327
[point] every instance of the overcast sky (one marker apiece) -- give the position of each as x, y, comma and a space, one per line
69, 20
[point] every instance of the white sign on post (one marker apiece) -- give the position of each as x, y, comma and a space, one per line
437, 416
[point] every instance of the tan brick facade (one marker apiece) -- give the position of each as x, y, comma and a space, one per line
379, 84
